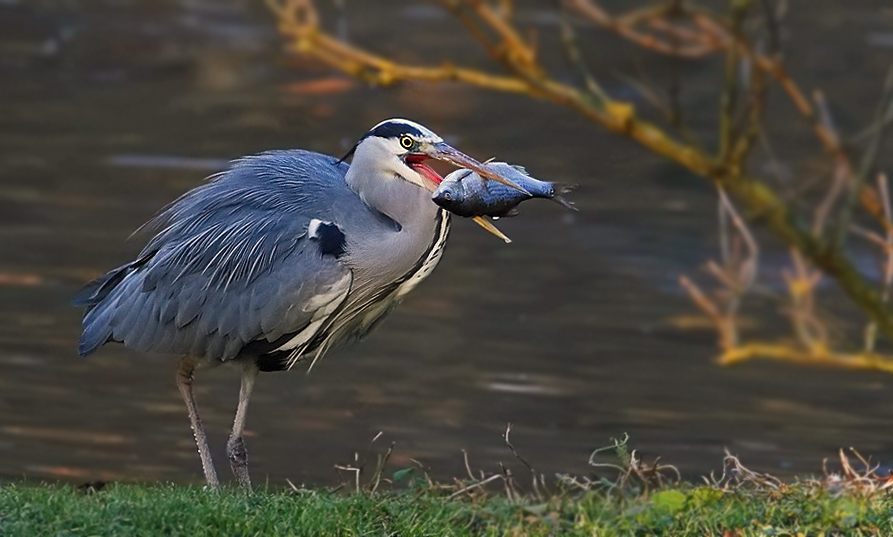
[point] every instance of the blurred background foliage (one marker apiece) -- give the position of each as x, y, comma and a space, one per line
814, 215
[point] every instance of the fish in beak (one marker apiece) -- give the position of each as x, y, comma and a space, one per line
447, 153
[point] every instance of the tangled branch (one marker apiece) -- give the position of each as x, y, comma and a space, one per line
675, 28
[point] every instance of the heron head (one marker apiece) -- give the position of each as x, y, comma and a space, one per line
400, 147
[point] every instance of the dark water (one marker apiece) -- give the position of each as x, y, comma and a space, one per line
108, 110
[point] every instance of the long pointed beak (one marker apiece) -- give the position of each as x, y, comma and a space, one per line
447, 153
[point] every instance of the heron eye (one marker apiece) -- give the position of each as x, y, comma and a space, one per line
406, 142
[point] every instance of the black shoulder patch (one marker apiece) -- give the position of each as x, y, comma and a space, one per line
330, 239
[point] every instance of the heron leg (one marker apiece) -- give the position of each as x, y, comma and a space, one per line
184, 382
235, 446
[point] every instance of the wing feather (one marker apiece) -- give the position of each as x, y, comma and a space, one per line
231, 264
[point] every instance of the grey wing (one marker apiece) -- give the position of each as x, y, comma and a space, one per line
228, 276
190, 298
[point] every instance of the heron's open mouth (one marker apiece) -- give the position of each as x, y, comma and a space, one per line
417, 163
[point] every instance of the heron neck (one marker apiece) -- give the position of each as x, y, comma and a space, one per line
405, 203
386, 192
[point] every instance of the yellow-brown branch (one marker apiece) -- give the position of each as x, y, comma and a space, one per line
527, 77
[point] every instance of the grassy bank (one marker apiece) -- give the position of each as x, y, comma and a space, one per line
32, 510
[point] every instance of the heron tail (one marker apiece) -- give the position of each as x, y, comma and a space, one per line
97, 328
94, 292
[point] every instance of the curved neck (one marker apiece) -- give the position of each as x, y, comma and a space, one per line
385, 184
383, 189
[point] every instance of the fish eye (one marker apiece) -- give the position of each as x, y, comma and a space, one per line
406, 142
447, 196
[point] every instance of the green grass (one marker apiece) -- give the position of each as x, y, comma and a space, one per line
58, 510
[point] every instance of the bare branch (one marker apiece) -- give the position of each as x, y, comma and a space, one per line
885, 109
691, 29
694, 44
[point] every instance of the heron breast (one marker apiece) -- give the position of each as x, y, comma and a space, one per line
430, 260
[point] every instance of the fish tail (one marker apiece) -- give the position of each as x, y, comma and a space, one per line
558, 192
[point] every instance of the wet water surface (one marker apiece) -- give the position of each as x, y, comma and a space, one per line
108, 112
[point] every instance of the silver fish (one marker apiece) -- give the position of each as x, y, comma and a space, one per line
465, 193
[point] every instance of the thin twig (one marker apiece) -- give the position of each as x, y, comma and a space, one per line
885, 108
700, 45
575, 57
508, 430
730, 91
467, 465
526, 76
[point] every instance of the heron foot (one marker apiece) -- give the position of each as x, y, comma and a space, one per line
238, 460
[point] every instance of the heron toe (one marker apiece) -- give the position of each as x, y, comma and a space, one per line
238, 460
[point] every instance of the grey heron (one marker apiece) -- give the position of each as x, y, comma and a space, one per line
278, 259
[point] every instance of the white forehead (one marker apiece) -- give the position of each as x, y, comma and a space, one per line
394, 127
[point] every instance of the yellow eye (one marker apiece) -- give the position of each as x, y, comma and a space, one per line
406, 142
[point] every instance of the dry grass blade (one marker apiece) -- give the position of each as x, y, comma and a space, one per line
631, 477
739, 475
356, 471
379, 468
473, 486
862, 482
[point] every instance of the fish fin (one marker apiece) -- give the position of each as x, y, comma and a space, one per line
520, 168
484, 223
559, 190
509, 213
462, 174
